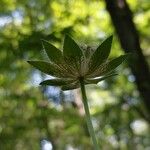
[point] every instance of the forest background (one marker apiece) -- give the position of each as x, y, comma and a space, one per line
31, 115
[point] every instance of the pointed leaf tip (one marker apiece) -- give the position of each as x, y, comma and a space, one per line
48, 68
41, 65
54, 54
71, 48
72, 52
101, 53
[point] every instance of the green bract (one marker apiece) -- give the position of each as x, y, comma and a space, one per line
76, 62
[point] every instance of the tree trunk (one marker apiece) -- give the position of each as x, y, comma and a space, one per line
122, 19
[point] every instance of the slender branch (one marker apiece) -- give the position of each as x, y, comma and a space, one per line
87, 114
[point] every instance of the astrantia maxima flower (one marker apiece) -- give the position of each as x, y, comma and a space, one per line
77, 66
75, 62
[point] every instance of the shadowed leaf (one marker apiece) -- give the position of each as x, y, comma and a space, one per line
71, 86
101, 53
113, 64
49, 68
71, 48
72, 52
54, 54
56, 82
95, 81
108, 67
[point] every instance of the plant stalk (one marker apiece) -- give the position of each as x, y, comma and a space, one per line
87, 114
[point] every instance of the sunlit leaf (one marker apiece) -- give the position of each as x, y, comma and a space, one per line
71, 48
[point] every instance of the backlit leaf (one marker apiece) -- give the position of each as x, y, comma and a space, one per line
107, 67
54, 54
113, 64
101, 54
72, 52
49, 68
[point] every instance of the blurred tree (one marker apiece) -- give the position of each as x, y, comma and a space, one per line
123, 22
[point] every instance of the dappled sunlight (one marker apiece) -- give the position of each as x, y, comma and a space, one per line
46, 145
44, 117
98, 99
140, 127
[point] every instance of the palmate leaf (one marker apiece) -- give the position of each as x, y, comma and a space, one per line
101, 54
49, 68
57, 82
72, 64
54, 54
72, 52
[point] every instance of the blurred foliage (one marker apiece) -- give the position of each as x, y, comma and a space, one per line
29, 113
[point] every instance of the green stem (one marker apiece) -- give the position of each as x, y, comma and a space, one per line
87, 114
